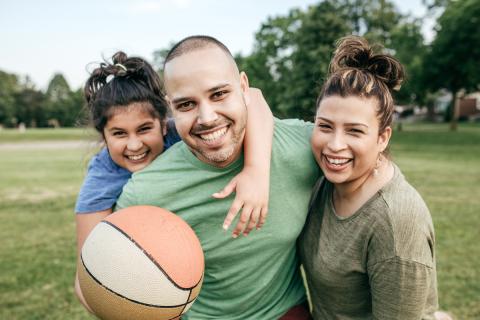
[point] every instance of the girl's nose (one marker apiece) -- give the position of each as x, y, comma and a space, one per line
134, 144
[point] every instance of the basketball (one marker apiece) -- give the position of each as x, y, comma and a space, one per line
141, 262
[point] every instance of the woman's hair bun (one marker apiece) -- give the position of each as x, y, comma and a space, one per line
354, 52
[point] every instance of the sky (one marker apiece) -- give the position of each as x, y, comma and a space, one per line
41, 38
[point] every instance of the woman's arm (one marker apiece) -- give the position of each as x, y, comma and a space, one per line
252, 184
402, 289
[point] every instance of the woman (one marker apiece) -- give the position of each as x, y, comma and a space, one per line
368, 244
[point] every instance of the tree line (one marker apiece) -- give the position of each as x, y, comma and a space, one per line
291, 54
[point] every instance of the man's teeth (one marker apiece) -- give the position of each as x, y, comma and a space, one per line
214, 135
337, 161
137, 157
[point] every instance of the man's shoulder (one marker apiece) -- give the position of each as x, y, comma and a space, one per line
292, 124
170, 161
292, 134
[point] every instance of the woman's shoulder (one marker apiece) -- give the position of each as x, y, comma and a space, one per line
405, 223
405, 204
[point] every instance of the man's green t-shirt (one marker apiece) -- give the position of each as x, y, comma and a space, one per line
254, 277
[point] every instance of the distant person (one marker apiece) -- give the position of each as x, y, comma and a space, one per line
127, 107
368, 247
255, 277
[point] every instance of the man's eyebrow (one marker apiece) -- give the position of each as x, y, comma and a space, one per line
218, 87
213, 89
180, 100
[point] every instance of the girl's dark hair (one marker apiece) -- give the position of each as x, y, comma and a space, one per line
355, 70
124, 81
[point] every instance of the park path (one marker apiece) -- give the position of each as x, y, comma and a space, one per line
47, 145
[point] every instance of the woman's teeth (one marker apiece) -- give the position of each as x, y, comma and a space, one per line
337, 162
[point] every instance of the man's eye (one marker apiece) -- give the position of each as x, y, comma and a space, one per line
219, 94
184, 106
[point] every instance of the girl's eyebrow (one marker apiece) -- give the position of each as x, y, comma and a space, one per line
147, 122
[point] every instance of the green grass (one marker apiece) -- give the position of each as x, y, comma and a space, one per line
38, 189
13, 135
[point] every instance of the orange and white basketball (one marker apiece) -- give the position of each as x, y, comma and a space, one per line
141, 262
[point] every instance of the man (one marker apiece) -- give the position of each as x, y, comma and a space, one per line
254, 277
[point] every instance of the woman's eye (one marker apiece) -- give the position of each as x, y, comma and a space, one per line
356, 131
323, 126
118, 133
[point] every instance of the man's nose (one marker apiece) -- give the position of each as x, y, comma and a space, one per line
206, 114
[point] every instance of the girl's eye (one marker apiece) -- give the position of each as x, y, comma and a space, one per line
118, 133
144, 129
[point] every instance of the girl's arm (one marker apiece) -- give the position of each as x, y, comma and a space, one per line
101, 187
85, 224
252, 184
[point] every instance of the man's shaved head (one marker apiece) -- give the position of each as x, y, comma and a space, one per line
193, 43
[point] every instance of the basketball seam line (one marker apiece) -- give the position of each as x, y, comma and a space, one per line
132, 300
149, 257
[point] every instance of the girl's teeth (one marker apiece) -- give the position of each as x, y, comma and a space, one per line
214, 135
137, 157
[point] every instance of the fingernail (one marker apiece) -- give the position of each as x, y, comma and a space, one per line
225, 227
234, 235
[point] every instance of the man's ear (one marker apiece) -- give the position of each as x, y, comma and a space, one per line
169, 103
244, 86
164, 126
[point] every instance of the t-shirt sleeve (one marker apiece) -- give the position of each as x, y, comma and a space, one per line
128, 197
400, 289
102, 185
172, 135
304, 127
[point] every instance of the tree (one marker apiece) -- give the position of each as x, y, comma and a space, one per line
291, 53
409, 48
29, 107
269, 66
453, 61
62, 106
9, 87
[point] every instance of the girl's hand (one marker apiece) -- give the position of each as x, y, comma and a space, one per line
252, 191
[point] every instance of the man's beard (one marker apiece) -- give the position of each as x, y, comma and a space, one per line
222, 157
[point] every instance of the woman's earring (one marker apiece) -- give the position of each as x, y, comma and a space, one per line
377, 165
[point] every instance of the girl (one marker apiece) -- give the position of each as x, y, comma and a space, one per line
368, 247
126, 106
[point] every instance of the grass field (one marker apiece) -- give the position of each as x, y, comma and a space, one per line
38, 189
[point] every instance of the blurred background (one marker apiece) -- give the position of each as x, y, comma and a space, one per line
48, 47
